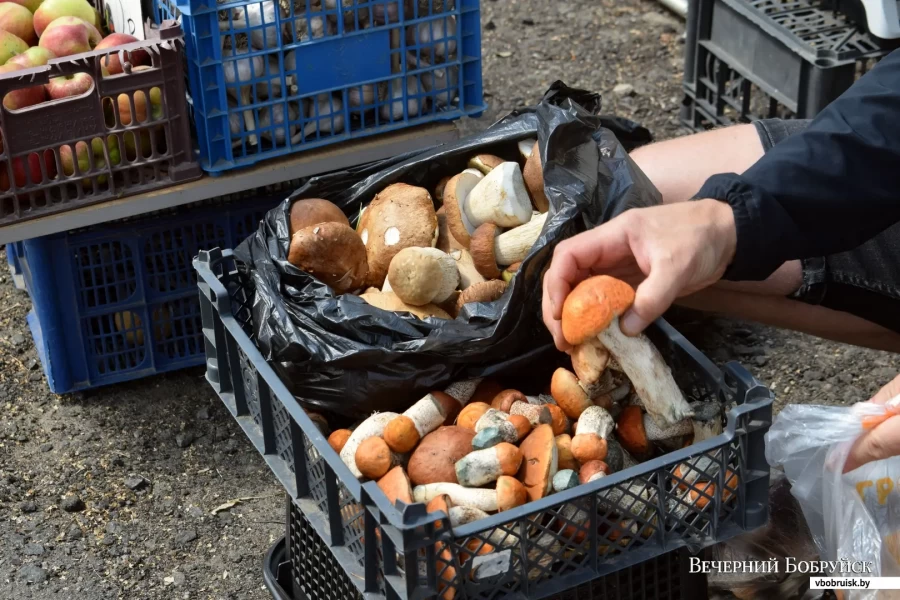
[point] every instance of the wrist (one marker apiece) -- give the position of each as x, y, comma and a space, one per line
720, 216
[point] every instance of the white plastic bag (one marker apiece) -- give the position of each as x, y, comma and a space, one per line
853, 517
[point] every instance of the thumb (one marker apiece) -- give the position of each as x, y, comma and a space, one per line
651, 299
877, 444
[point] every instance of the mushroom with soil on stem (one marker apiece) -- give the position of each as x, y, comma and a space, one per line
485, 291
508, 493
481, 467
591, 311
332, 253
422, 276
490, 248
456, 196
500, 198
400, 216
595, 425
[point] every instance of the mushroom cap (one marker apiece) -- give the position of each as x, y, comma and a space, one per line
395, 486
439, 189
398, 217
587, 447
509, 457
522, 425
591, 468
569, 396
510, 493
312, 211
390, 301
486, 291
540, 461
422, 275
456, 193
400, 435
500, 197
592, 306
481, 247
630, 431
434, 459
446, 241
338, 438
589, 361
505, 399
332, 253
442, 503
470, 414
373, 458
485, 162
558, 419
533, 174
564, 449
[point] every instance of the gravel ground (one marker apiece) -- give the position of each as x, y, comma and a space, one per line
112, 494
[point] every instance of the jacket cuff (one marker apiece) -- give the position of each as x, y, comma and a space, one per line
754, 257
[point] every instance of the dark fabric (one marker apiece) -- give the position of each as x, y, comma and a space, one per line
824, 190
864, 281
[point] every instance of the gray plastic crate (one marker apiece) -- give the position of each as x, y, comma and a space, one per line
547, 547
753, 59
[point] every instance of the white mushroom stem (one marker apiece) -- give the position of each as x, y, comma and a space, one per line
500, 198
649, 374
427, 415
482, 467
463, 515
537, 414
525, 148
468, 274
513, 246
463, 391
707, 421
655, 433
589, 361
596, 420
239, 71
371, 427
479, 498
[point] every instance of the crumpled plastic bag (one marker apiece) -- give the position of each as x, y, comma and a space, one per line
853, 517
338, 353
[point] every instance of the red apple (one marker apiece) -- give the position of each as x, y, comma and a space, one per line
70, 35
69, 85
31, 5
114, 40
18, 20
50, 10
84, 165
33, 57
140, 106
22, 97
34, 170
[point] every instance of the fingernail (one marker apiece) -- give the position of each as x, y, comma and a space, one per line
893, 405
631, 323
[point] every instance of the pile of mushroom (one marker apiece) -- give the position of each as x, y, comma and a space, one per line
407, 256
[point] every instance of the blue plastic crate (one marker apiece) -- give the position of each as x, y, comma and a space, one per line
248, 61
119, 302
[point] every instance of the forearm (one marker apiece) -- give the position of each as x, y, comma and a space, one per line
824, 190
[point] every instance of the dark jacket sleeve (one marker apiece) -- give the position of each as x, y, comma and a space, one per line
826, 189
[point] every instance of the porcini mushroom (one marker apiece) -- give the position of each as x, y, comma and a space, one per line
533, 174
468, 274
540, 462
592, 310
481, 467
486, 291
422, 276
499, 198
390, 301
485, 162
332, 253
312, 211
490, 248
526, 148
404, 432
456, 197
400, 216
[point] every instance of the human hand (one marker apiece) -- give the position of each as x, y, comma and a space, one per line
882, 441
665, 251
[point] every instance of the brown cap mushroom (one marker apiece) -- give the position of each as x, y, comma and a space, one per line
510, 493
510, 271
468, 274
395, 486
631, 433
446, 241
482, 249
490, 248
485, 162
456, 196
439, 189
540, 462
505, 399
435, 457
486, 291
312, 211
533, 174
500, 198
420, 276
332, 253
592, 310
400, 216
390, 301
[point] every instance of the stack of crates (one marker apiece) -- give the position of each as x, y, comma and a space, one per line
753, 59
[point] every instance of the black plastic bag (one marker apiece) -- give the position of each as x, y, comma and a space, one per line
339, 353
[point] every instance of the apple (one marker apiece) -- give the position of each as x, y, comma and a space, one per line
50, 10
22, 97
114, 40
84, 165
69, 85
31, 5
70, 35
10, 45
33, 57
140, 106
18, 20
34, 170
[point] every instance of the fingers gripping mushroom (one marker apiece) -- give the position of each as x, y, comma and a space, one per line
332, 253
500, 198
422, 276
456, 197
490, 248
592, 310
594, 426
400, 216
481, 467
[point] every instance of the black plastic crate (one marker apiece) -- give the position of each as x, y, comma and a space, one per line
546, 548
752, 59
300, 566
